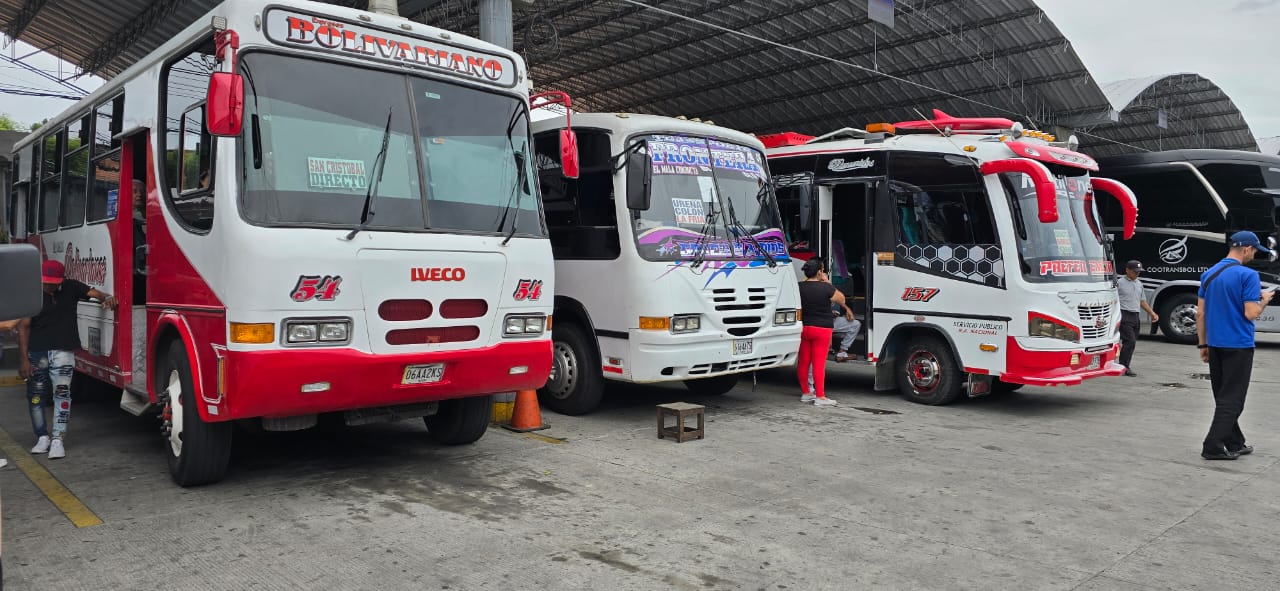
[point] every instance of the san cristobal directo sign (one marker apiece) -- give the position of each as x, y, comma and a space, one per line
292, 29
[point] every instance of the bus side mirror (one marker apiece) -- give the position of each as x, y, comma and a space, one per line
639, 178
569, 154
1041, 178
225, 105
22, 296
1128, 201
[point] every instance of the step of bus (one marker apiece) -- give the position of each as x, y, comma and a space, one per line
135, 401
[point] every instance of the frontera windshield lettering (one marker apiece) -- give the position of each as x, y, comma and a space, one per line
311, 152
696, 182
1069, 250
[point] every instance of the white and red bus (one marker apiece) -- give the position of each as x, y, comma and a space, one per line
341, 216
971, 248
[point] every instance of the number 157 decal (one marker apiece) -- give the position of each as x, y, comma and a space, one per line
919, 294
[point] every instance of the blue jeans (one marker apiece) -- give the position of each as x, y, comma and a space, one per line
50, 369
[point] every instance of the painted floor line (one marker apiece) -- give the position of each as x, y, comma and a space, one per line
53, 489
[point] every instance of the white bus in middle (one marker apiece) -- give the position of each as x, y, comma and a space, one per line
670, 259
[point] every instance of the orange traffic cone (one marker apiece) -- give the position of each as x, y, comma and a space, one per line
526, 416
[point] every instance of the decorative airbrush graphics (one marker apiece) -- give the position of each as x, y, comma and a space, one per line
682, 246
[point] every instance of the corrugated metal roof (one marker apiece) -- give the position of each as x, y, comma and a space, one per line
756, 65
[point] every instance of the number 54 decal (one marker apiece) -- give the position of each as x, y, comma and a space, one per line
919, 294
316, 287
528, 289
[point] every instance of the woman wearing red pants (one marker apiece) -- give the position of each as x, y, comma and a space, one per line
816, 296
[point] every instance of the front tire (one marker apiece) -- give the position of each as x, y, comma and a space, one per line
460, 421
198, 452
712, 386
576, 384
927, 372
1178, 318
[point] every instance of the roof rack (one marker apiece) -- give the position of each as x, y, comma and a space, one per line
851, 132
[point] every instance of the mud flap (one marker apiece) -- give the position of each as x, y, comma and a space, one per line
979, 385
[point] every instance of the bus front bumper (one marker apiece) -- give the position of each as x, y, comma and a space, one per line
284, 383
662, 357
1070, 367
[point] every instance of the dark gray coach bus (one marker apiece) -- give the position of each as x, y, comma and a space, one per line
1189, 201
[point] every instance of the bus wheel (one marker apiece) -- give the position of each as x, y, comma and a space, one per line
712, 386
460, 421
1178, 318
576, 385
927, 372
198, 451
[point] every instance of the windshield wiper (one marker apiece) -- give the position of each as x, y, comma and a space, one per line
375, 179
522, 177
741, 229
700, 247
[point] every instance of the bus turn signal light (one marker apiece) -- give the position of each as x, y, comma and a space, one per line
881, 128
255, 334
655, 323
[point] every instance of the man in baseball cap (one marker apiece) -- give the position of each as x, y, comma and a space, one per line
47, 344
1246, 238
1133, 298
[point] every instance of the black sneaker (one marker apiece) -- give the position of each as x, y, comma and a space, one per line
1243, 450
1222, 453
1129, 373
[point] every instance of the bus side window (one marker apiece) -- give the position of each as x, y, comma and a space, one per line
51, 183
939, 201
580, 212
104, 186
188, 146
75, 168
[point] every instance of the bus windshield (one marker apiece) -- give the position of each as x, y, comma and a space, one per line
704, 192
458, 158
1070, 249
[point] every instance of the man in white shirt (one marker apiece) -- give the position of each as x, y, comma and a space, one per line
1133, 299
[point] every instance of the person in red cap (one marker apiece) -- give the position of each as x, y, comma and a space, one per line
47, 345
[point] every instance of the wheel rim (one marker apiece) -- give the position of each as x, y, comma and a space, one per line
174, 393
564, 371
924, 371
1182, 319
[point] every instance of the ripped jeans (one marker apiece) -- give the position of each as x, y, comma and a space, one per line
50, 369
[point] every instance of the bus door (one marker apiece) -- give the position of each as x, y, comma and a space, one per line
133, 270
847, 212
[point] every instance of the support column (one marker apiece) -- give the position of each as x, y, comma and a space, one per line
495, 23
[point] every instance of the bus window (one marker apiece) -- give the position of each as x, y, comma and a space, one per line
75, 167
939, 200
580, 212
103, 204
187, 145
1233, 182
108, 122
51, 183
1168, 197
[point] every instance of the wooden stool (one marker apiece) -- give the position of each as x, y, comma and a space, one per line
680, 410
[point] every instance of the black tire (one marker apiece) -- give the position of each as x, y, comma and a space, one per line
1178, 318
576, 384
460, 421
712, 386
205, 448
927, 372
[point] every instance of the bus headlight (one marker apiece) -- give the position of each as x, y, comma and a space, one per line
685, 323
516, 326
783, 317
318, 331
1044, 326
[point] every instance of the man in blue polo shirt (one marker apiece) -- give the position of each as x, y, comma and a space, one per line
1231, 298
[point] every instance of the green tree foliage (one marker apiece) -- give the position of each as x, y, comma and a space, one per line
8, 123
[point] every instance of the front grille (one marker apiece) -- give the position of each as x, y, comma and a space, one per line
729, 300
1089, 317
735, 365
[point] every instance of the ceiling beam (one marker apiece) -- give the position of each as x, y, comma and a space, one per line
26, 14
129, 35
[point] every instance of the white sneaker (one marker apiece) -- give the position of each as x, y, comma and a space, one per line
56, 451
42, 445
824, 401
842, 356
808, 397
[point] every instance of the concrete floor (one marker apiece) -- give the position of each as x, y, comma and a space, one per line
1094, 487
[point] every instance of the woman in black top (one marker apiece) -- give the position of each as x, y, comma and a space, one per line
816, 296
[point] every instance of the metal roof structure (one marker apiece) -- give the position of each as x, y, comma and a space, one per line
757, 65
